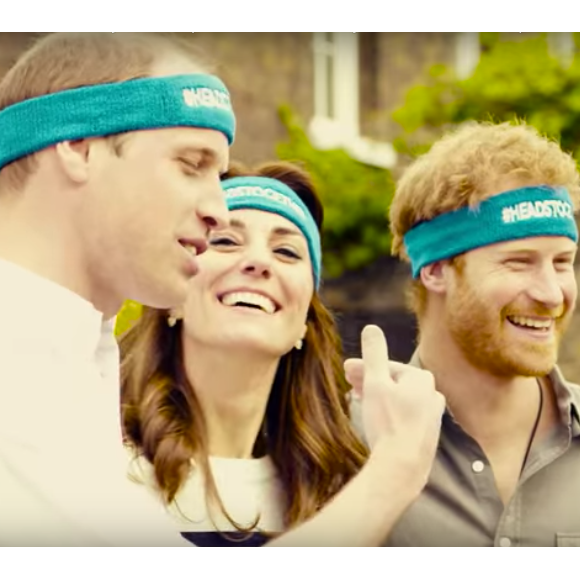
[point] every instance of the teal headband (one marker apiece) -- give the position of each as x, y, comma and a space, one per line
266, 194
195, 100
516, 214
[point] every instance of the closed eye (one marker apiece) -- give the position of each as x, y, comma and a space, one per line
222, 241
190, 167
288, 253
564, 262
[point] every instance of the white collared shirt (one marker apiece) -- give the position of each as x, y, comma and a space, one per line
63, 468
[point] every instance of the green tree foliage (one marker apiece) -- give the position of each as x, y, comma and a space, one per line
356, 198
518, 79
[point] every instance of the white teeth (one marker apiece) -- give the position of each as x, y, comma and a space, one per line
237, 298
531, 322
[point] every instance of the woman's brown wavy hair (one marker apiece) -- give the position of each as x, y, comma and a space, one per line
306, 431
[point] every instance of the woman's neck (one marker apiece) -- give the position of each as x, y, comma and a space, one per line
233, 395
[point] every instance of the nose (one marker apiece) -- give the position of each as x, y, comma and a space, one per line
212, 209
257, 263
546, 288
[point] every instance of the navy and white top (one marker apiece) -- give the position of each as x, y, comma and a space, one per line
248, 488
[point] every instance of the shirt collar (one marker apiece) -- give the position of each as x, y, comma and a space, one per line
42, 308
567, 395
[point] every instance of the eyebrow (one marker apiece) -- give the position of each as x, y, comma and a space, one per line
523, 251
280, 231
518, 251
567, 254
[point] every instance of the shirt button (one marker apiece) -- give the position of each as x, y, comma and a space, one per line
477, 466
505, 542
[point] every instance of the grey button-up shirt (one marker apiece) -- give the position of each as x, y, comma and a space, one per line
460, 505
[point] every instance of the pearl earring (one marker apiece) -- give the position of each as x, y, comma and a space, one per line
298, 344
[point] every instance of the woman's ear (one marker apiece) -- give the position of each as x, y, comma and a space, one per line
173, 316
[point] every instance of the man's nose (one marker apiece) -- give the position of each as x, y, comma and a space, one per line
546, 288
212, 209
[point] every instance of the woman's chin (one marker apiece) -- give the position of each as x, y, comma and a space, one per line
253, 346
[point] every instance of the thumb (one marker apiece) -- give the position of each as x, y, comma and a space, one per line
375, 356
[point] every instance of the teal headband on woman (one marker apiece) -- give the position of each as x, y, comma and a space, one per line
267, 194
195, 100
516, 214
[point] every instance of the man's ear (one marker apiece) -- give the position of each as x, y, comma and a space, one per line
73, 159
435, 277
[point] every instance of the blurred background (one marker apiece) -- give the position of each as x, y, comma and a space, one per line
354, 109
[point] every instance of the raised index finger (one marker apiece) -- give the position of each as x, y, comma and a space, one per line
375, 355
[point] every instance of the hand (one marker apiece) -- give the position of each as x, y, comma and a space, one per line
401, 410
402, 418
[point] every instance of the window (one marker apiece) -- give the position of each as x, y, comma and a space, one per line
467, 53
336, 83
324, 72
336, 122
562, 45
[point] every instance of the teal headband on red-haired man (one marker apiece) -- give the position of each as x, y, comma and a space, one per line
519, 213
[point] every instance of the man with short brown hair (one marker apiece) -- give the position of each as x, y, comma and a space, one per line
109, 182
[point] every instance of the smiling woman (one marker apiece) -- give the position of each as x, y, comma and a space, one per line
235, 406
